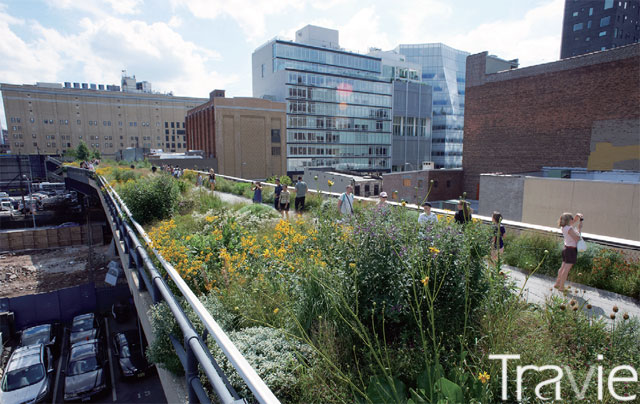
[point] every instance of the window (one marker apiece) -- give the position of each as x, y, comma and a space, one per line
589, 24
275, 151
172, 124
591, 11
602, 33
605, 21
587, 39
406, 182
575, 13
608, 4
577, 27
275, 136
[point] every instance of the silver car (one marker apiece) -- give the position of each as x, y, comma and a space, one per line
27, 377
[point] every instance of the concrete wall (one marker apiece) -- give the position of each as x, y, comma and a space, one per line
49, 237
610, 209
200, 164
503, 193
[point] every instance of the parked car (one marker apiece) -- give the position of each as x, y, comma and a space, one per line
121, 311
28, 376
40, 334
129, 349
3, 194
84, 327
86, 375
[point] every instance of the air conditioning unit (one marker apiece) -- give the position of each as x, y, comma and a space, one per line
428, 165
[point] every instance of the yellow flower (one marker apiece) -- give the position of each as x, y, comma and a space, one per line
266, 253
188, 238
434, 250
404, 203
352, 265
276, 310
425, 281
484, 377
330, 183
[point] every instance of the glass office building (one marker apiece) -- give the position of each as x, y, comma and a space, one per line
338, 104
444, 69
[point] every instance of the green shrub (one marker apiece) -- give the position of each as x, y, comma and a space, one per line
152, 198
259, 210
124, 175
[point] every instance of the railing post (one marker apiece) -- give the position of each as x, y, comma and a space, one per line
191, 370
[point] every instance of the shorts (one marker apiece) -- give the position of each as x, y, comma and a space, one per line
300, 203
569, 255
284, 207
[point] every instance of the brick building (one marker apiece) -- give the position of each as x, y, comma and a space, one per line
577, 112
245, 135
413, 186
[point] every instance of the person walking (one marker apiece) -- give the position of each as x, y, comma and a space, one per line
199, 180
212, 179
567, 223
285, 198
497, 242
345, 202
463, 216
427, 216
276, 195
257, 192
301, 193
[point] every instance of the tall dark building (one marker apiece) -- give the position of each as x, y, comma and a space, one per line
595, 25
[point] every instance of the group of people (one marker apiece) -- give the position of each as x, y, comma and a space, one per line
282, 196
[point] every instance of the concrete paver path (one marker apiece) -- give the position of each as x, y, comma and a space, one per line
539, 288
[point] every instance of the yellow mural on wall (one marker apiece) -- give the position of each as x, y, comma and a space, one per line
606, 155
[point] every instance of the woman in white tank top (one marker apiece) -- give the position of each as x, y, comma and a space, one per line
570, 252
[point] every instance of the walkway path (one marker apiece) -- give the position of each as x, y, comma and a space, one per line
539, 288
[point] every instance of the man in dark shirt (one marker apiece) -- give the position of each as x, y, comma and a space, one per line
276, 195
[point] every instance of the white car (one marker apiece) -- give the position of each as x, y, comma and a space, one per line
27, 377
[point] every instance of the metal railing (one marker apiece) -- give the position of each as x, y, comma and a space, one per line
608, 241
192, 351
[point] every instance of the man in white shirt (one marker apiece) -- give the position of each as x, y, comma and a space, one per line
427, 216
345, 202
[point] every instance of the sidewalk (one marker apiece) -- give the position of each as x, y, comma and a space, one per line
540, 287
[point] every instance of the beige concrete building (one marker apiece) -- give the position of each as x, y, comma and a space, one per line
245, 135
611, 207
49, 118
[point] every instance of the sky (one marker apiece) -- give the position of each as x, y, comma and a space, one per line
190, 47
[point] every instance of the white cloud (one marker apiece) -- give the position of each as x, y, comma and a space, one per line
98, 7
416, 18
104, 47
363, 31
249, 15
175, 22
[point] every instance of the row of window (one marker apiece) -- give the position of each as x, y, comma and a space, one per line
339, 151
604, 21
298, 121
95, 123
342, 109
447, 153
284, 64
294, 136
340, 83
410, 126
338, 95
326, 56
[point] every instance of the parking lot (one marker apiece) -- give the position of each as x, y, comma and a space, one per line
145, 389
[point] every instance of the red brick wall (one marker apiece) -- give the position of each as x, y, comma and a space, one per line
200, 127
520, 121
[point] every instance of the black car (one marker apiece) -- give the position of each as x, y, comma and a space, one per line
129, 349
86, 372
85, 327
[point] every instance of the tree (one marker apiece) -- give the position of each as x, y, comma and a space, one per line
96, 154
82, 153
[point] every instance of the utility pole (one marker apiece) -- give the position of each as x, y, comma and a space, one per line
90, 235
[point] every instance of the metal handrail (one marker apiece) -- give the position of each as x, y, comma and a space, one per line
614, 242
257, 386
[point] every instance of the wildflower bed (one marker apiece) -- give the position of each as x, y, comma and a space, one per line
372, 308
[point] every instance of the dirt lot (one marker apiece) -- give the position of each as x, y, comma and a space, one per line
24, 273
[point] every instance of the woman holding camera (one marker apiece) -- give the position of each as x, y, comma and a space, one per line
570, 252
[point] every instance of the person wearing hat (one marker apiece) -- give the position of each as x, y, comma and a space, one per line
427, 216
383, 199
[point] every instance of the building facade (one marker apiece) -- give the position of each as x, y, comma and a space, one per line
411, 111
596, 25
577, 112
416, 186
443, 68
244, 135
49, 118
338, 105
